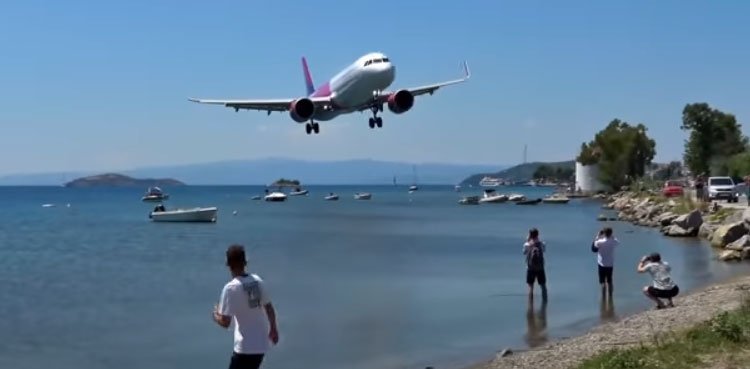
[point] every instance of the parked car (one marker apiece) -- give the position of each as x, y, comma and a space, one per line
722, 188
673, 188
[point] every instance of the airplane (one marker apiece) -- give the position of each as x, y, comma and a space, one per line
359, 87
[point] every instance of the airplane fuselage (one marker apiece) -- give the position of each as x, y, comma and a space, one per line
355, 85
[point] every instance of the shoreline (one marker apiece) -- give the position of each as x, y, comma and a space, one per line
640, 327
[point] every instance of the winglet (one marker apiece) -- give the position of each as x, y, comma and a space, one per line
467, 72
308, 78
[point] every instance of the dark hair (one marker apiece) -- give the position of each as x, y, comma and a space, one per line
654, 257
236, 256
607, 232
533, 233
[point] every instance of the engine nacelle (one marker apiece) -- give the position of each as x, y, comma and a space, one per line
400, 101
301, 110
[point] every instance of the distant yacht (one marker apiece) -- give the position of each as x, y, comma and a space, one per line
414, 187
488, 181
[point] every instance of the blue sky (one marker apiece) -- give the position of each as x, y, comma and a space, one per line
92, 85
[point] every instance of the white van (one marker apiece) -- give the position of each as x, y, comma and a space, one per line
722, 188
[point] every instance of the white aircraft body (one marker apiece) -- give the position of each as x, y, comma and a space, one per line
360, 86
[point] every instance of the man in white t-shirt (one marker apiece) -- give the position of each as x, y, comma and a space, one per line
244, 299
605, 247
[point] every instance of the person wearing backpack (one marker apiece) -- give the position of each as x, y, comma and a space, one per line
534, 250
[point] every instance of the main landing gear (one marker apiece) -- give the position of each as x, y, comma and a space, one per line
312, 127
376, 120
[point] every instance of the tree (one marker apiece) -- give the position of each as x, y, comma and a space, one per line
622, 151
738, 166
715, 136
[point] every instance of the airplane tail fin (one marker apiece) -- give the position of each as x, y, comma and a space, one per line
308, 78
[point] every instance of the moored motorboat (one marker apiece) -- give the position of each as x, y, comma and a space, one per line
469, 200
362, 196
207, 215
413, 188
275, 197
516, 197
154, 194
556, 199
529, 202
491, 196
331, 197
298, 192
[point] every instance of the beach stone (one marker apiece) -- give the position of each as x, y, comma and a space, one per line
676, 231
693, 219
727, 234
729, 255
746, 218
739, 245
745, 253
666, 219
706, 230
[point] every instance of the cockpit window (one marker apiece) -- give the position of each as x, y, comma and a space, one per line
374, 61
368, 62
385, 60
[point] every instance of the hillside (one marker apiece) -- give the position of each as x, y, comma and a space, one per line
119, 180
518, 173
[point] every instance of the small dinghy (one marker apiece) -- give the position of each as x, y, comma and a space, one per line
154, 194
298, 192
492, 197
332, 197
529, 202
516, 197
362, 196
556, 199
469, 200
205, 215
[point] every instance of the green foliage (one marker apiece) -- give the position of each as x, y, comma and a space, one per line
549, 173
622, 151
687, 204
714, 137
727, 333
738, 165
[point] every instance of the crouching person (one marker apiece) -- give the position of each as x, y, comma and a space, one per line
662, 286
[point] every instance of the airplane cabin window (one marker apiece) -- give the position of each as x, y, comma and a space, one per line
385, 60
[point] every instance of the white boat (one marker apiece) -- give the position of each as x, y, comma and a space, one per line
457, 188
492, 197
48, 205
275, 197
490, 182
516, 197
413, 188
332, 197
469, 200
154, 194
556, 199
298, 192
207, 215
362, 196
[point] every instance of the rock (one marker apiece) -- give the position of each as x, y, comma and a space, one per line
676, 231
693, 219
666, 219
727, 234
729, 255
739, 245
745, 253
746, 218
601, 218
706, 230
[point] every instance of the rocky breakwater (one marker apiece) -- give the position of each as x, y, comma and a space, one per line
725, 229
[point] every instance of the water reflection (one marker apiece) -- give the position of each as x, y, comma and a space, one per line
607, 310
536, 324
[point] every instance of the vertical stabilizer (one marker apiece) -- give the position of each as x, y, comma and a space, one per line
308, 78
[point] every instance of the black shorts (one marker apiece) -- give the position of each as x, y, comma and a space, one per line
663, 294
537, 275
245, 361
605, 275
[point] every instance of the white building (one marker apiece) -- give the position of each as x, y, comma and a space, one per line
587, 179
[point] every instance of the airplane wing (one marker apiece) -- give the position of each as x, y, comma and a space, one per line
416, 91
264, 105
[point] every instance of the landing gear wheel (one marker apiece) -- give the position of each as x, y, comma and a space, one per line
379, 122
308, 128
316, 128
372, 123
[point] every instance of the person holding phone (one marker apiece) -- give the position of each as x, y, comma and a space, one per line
604, 246
662, 287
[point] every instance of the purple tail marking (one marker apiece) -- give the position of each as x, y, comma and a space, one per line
308, 79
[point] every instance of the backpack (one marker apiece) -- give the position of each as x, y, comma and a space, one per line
535, 257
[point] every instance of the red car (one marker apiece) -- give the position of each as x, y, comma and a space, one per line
673, 188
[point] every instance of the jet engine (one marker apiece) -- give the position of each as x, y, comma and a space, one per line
400, 101
301, 110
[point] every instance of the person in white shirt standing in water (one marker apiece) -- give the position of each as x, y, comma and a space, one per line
244, 299
604, 246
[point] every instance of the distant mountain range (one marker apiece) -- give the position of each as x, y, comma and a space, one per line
518, 173
266, 171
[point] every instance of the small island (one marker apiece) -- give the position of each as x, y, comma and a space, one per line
119, 180
283, 182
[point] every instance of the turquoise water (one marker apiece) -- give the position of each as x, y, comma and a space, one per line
401, 281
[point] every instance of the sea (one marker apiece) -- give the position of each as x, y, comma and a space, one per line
401, 281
